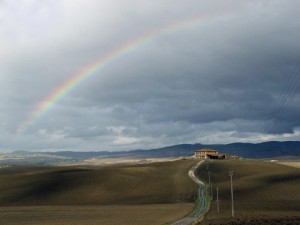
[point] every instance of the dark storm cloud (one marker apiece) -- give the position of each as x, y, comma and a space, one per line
215, 80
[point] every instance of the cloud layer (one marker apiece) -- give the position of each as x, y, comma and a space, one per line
227, 72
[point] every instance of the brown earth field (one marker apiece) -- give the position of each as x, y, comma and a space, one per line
292, 164
153, 193
264, 193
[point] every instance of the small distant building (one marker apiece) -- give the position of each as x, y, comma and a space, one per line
207, 153
228, 156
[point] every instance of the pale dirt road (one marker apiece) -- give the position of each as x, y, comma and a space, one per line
202, 206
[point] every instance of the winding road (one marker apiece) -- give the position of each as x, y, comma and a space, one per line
202, 201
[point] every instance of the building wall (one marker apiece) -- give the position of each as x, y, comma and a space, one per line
213, 154
203, 154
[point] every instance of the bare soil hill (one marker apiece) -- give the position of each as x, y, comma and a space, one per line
152, 193
136, 184
93, 215
263, 192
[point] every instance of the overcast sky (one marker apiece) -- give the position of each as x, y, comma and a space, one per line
210, 71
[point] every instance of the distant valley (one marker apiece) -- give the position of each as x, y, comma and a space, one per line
265, 150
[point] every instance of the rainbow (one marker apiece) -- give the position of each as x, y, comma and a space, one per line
95, 68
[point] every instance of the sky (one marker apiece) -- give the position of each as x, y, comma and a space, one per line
110, 75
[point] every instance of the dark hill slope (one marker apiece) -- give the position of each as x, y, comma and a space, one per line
153, 183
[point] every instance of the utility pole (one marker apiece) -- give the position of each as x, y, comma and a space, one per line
211, 191
232, 206
218, 207
209, 183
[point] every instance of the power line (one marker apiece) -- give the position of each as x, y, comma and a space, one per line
287, 93
284, 96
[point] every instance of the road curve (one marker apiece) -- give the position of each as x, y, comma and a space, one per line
202, 201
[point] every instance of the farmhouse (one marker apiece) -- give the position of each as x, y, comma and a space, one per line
207, 153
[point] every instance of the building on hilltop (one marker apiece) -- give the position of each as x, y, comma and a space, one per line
207, 153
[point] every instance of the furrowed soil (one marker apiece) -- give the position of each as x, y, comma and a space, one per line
264, 193
93, 215
131, 194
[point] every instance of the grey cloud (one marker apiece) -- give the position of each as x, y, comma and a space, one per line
216, 80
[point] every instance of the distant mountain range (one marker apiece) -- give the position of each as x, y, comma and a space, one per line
246, 150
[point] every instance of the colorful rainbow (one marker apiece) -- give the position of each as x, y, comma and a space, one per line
94, 68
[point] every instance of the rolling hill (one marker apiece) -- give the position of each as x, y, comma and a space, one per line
264, 192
